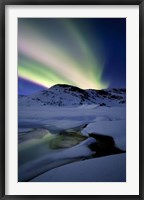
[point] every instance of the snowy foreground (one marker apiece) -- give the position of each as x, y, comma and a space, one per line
67, 143
105, 169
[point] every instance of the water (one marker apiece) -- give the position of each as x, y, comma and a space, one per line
38, 142
40, 149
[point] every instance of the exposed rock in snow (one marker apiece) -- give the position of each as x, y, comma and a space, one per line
67, 95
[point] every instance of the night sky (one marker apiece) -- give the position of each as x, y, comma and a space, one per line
87, 52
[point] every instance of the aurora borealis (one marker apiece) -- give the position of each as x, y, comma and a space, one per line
88, 53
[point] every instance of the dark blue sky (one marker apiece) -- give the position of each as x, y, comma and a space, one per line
107, 39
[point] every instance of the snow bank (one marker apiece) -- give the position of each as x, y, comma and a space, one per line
104, 169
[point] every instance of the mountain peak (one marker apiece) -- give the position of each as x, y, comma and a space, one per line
68, 95
61, 85
66, 86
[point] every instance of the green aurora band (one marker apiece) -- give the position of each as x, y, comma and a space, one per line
47, 58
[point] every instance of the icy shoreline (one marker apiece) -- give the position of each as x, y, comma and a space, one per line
110, 121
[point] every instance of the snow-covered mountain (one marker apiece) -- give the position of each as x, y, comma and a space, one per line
67, 95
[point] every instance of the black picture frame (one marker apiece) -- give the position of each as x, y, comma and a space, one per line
3, 3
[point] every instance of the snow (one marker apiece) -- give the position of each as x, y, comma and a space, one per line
66, 95
104, 120
116, 129
50, 161
48, 115
40, 128
104, 169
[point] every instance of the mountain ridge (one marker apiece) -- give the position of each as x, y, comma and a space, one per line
68, 95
